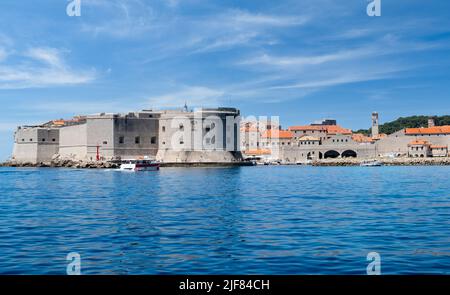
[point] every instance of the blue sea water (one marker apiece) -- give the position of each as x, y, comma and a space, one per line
248, 220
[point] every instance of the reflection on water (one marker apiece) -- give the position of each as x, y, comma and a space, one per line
271, 220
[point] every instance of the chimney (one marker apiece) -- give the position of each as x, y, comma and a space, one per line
374, 124
430, 122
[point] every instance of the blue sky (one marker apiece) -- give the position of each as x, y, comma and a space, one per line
302, 60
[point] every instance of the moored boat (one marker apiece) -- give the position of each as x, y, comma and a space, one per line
139, 165
373, 163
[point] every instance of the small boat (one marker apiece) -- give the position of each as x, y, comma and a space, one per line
373, 163
139, 165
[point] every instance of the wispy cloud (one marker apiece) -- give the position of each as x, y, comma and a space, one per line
116, 18
41, 67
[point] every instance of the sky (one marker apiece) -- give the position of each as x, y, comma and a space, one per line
301, 60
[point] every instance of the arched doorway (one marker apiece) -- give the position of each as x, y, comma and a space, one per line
331, 154
349, 154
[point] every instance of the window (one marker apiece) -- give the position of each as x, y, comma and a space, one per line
181, 127
153, 140
53, 139
23, 139
43, 139
105, 142
31, 139
181, 140
137, 140
164, 129
121, 139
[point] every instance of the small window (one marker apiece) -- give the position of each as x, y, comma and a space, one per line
31, 139
137, 140
181, 140
23, 139
164, 129
105, 142
121, 139
43, 139
181, 127
153, 140
53, 139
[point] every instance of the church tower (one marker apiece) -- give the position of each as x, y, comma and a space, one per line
375, 131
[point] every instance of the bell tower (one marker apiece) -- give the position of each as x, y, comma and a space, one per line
375, 131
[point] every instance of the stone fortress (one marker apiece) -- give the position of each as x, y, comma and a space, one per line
327, 140
170, 136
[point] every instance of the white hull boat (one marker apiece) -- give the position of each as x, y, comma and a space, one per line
139, 165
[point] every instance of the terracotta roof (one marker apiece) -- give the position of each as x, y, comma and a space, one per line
277, 134
429, 130
336, 129
258, 152
309, 138
359, 137
419, 142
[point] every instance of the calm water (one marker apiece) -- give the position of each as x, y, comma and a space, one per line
264, 220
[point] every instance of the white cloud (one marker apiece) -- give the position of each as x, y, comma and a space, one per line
42, 67
119, 19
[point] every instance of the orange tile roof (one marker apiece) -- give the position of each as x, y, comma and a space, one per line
419, 142
258, 152
282, 134
336, 129
429, 130
358, 137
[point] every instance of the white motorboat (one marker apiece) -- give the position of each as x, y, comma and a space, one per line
139, 165
373, 163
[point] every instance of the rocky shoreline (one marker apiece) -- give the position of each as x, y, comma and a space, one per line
386, 162
65, 164
328, 162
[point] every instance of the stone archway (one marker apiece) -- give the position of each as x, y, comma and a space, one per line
349, 154
331, 154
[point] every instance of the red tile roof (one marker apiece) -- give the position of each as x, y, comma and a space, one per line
419, 142
429, 130
281, 134
258, 152
358, 137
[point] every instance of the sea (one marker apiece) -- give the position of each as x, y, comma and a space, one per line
241, 220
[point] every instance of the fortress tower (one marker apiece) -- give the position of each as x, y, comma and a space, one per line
375, 124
